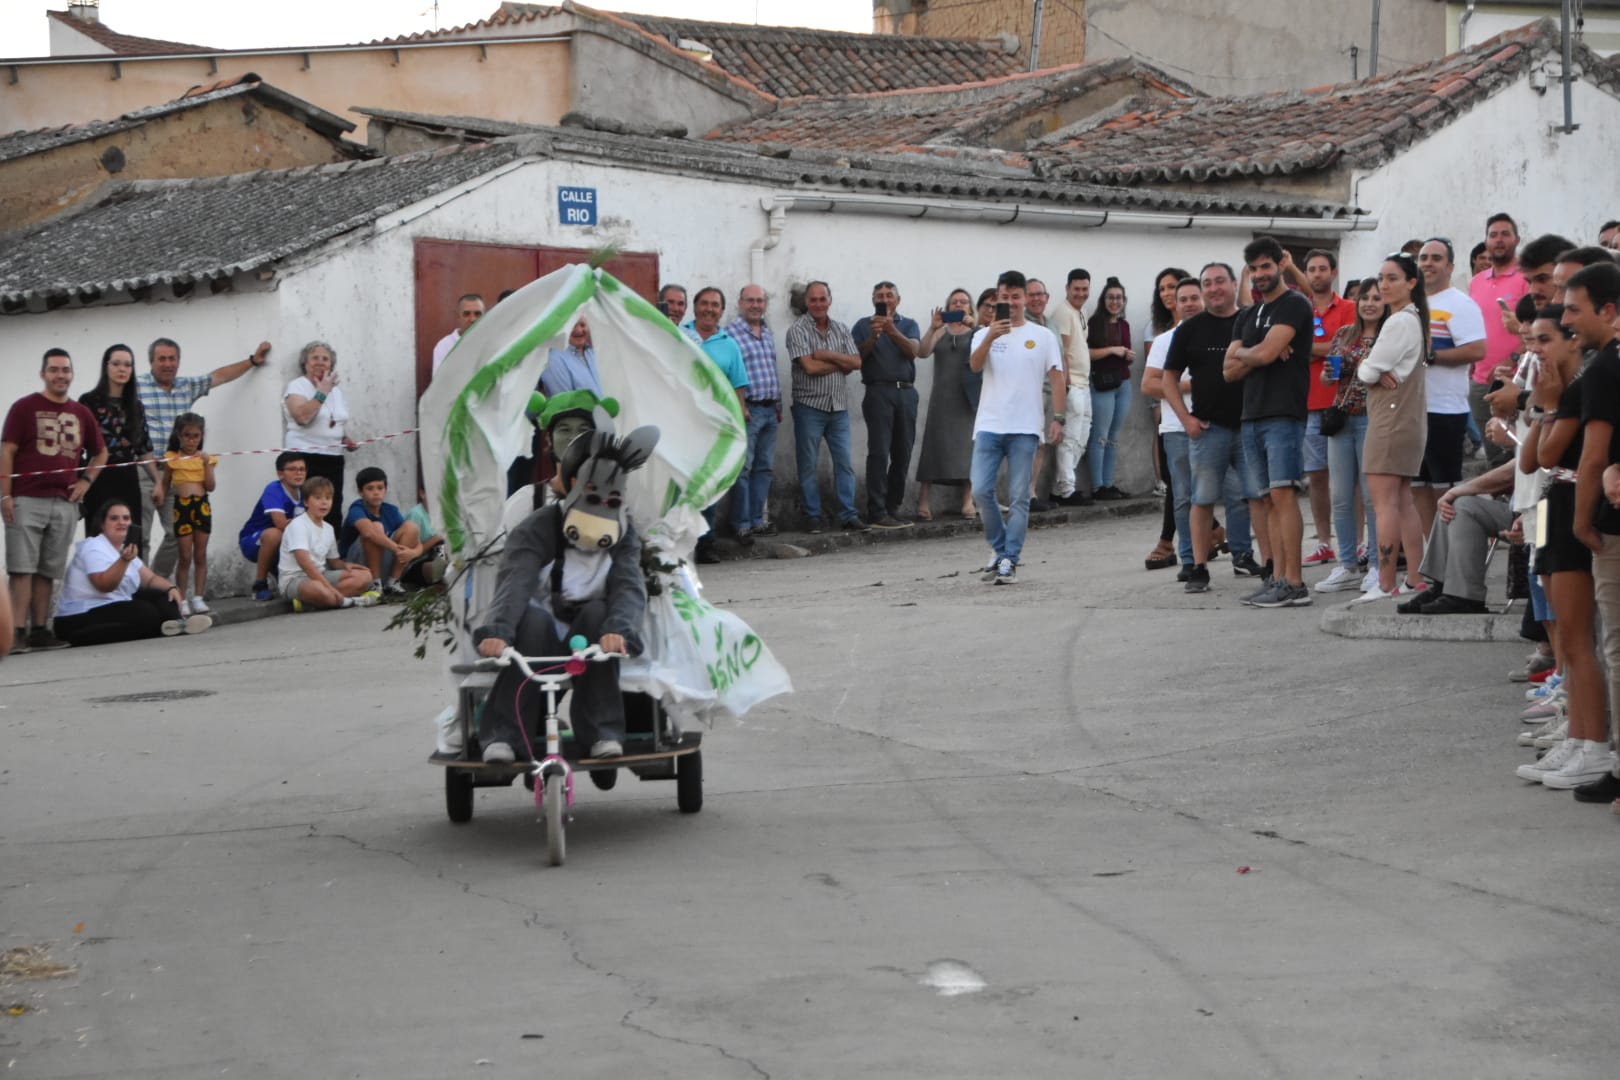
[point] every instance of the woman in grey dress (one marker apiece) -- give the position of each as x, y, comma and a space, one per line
947, 444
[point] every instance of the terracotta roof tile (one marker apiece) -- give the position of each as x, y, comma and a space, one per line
971, 114
125, 44
1278, 133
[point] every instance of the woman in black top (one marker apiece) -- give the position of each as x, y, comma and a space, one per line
1108, 338
116, 404
1554, 443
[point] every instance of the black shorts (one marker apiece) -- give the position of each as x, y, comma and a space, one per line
1563, 553
1443, 451
192, 514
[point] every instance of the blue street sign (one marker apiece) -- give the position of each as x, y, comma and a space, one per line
576, 205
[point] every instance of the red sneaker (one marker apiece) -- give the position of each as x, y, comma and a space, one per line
1322, 554
1542, 676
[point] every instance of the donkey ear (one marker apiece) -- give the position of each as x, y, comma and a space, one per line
637, 447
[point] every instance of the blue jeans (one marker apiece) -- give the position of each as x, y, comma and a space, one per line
1344, 476
1109, 408
1177, 457
810, 426
1216, 460
753, 486
989, 450
1274, 451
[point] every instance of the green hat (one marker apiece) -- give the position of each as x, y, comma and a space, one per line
547, 410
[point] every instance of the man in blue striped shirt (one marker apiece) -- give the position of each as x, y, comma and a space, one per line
754, 337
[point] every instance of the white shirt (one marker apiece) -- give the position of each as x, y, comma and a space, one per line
1010, 401
1063, 319
1158, 352
302, 534
79, 593
1454, 319
1399, 348
324, 433
442, 349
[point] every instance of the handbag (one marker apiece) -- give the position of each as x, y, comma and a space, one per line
1518, 572
1107, 379
1334, 417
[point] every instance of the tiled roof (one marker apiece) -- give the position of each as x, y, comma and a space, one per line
20, 144
125, 44
972, 115
147, 232
1288, 132
150, 232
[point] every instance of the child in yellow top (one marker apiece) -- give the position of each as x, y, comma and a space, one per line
192, 473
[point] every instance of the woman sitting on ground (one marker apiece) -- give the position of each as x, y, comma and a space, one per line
109, 595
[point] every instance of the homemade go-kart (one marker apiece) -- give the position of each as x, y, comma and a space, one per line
696, 662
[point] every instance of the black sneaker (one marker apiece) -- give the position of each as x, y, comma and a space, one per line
1039, 506
1605, 790
1247, 567
889, 521
1273, 595
816, 527
20, 643
1416, 604
745, 537
1079, 498
706, 555
1184, 573
1446, 604
42, 640
1197, 579
766, 529
854, 524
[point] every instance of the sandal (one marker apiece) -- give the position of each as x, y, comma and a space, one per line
1162, 557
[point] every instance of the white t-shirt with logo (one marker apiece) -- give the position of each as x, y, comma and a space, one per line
1010, 401
302, 534
1454, 319
1158, 352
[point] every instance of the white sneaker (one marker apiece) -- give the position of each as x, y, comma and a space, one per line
988, 574
1341, 580
1536, 771
1557, 727
368, 599
1592, 761
196, 624
1369, 581
499, 753
606, 748
1552, 738
1375, 593
185, 607
200, 608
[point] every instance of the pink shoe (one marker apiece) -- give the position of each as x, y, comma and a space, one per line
1322, 554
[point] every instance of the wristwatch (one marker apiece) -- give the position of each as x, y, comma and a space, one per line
1057, 417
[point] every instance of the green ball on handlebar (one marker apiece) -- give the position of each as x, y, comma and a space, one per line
578, 643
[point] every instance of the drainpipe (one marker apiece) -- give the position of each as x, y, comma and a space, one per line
1462, 26
1035, 36
774, 225
1570, 125
1372, 60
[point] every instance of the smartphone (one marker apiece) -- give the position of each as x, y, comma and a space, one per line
1003, 311
1502, 303
955, 316
881, 309
663, 308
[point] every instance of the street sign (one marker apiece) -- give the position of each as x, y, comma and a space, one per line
576, 205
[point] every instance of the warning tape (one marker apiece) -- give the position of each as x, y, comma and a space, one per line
223, 453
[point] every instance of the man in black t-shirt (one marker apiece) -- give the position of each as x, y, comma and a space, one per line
1271, 356
1591, 300
1215, 446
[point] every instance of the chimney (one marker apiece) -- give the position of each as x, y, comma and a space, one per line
85, 10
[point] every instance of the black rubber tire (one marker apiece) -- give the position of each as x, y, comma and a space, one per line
458, 795
604, 779
556, 809
689, 782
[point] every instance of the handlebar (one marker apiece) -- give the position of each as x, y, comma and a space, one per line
525, 664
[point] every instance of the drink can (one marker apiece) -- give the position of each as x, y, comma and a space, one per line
1335, 366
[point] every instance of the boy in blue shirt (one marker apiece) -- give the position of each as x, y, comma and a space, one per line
377, 535
260, 538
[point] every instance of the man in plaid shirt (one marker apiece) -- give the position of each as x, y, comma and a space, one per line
753, 489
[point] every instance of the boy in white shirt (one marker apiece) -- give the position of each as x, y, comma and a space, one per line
1017, 357
311, 574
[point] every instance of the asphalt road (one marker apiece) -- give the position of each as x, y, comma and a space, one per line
1082, 826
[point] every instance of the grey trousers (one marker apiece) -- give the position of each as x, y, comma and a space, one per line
1606, 577
168, 552
596, 709
1456, 552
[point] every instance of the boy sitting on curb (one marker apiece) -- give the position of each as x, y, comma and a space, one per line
376, 534
312, 576
260, 538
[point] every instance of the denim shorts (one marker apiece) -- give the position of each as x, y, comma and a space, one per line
1274, 450
1316, 450
1211, 456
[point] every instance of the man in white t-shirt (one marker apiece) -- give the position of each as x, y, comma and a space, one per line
469, 309
1017, 358
1068, 318
1456, 344
1177, 453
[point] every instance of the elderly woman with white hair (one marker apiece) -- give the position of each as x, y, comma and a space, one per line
316, 413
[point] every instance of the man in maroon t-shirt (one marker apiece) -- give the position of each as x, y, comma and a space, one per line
41, 448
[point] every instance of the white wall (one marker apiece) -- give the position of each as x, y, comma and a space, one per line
361, 299
1502, 155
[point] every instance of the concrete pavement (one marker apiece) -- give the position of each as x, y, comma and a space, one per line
1056, 786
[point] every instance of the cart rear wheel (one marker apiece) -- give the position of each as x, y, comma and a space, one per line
689, 782
556, 809
458, 795
604, 779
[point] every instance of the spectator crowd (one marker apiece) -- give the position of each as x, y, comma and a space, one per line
1282, 389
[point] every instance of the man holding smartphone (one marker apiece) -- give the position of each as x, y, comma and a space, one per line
1017, 358
888, 342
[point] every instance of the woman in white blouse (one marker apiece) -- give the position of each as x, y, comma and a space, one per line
1397, 421
316, 414
109, 595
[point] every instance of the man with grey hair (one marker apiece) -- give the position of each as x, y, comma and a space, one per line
888, 343
758, 344
823, 353
165, 394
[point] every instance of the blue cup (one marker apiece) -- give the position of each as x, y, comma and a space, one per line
1335, 366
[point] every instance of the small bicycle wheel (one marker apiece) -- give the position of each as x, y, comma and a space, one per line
689, 782
458, 795
556, 810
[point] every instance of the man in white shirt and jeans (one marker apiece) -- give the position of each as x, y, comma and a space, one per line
1017, 359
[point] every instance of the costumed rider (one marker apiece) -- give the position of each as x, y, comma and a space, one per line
563, 418
573, 567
